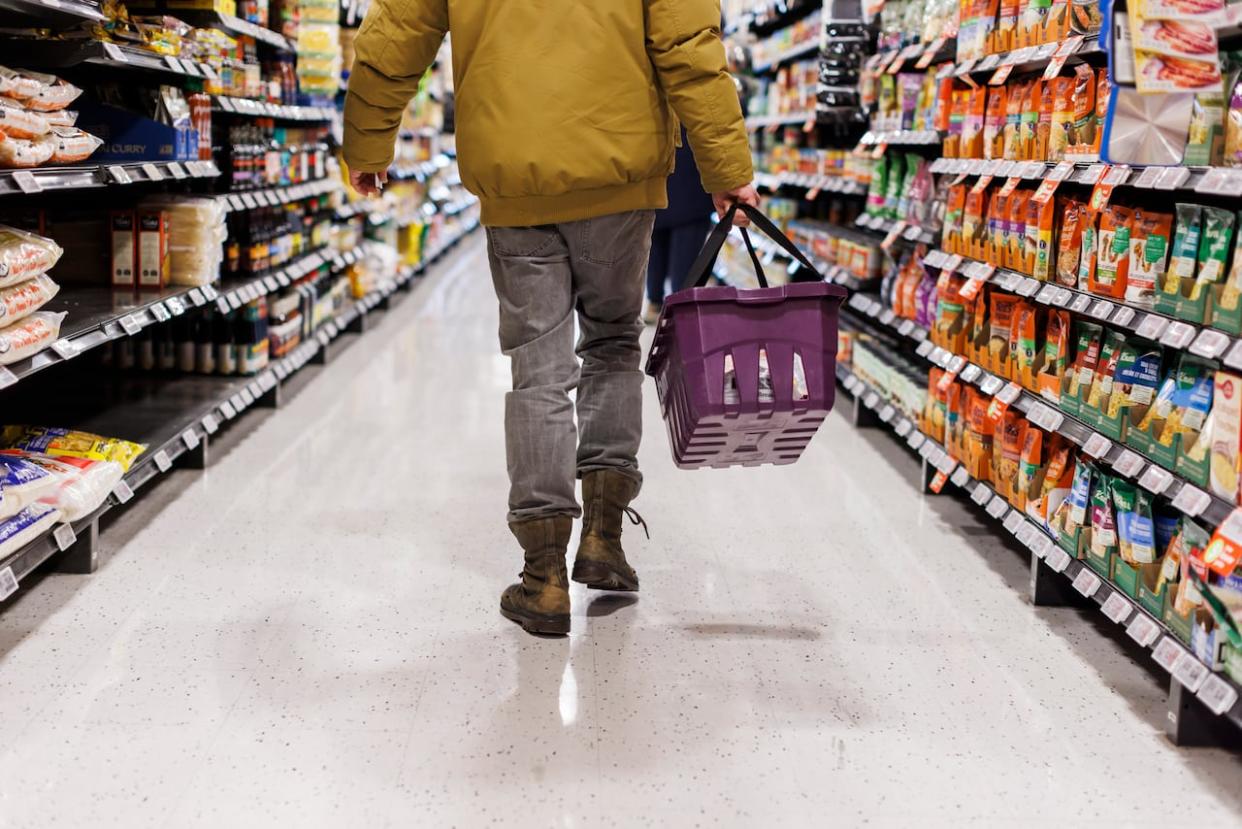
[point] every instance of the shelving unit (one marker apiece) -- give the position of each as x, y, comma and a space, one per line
89, 176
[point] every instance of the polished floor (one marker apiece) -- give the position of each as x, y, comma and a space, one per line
306, 635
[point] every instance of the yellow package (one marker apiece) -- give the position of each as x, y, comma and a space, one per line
68, 443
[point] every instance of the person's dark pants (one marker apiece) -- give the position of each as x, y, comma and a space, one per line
673, 251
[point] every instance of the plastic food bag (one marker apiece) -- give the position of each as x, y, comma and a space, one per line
26, 526
79, 485
16, 122
20, 86
54, 94
17, 153
61, 118
24, 255
72, 145
196, 235
58, 442
21, 300
29, 337
21, 484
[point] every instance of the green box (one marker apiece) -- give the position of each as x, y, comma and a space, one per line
1149, 598
1179, 624
1232, 658
1103, 566
1225, 319
1071, 542
1125, 577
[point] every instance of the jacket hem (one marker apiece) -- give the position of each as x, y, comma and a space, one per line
530, 211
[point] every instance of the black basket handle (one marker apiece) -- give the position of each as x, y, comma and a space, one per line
701, 270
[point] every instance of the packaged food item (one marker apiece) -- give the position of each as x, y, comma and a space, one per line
1029, 124
1013, 121
1061, 129
1103, 522
72, 145
1101, 390
1069, 242
1188, 400
1185, 248
1024, 343
152, 249
1138, 374
954, 211
1043, 131
1193, 541
1013, 438
1149, 247
1226, 435
23, 299
1125, 506
58, 442
1001, 321
1232, 289
1082, 132
1215, 241
1019, 205
17, 122
1112, 256
80, 485
30, 336
20, 86
1029, 462
1142, 530
17, 153
1058, 476
1056, 355
1088, 337
994, 123
1086, 252
124, 240
1042, 260
24, 527
21, 484
1205, 145
53, 93
972, 127
1080, 495
61, 118
1233, 126
24, 255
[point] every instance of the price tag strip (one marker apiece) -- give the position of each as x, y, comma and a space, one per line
1086, 582
1116, 608
1142, 629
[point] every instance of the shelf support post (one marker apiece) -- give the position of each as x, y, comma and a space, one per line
1048, 587
82, 556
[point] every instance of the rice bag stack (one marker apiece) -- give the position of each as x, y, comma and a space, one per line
25, 288
36, 126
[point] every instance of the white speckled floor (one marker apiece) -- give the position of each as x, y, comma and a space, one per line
306, 635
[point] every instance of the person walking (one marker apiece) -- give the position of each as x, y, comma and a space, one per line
680, 230
567, 119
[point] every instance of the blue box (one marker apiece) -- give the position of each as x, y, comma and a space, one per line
128, 136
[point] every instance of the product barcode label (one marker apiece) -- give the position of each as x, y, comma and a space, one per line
1097, 446
1152, 327
1116, 608
1217, 694
982, 494
1177, 335
1156, 480
1189, 671
1123, 315
190, 438
1210, 343
1057, 559
1142, 629
122, 492
8, 583
64, 537
916, 440
1191, 500
1128, 463
997, 507
1167, 653
162, 461
1086, 582
67, 349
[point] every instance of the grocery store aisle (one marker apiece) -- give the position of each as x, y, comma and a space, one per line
307, 634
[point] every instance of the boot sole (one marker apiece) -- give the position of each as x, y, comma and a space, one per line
599, 576
551, 624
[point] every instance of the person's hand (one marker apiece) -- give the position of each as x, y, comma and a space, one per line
744, 195
367, 184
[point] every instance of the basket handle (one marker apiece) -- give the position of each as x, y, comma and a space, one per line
701, 270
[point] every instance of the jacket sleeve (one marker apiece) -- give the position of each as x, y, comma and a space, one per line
683, 41
397, 43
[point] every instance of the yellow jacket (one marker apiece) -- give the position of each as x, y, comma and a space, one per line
566, 109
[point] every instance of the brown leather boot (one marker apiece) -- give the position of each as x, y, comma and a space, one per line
540, 601
601, 564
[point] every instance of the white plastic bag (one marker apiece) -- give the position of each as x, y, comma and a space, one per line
81, 485
21, 484
24, 255
21, 529
21, 300
30, 336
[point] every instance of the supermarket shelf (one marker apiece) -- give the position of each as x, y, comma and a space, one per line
263, 109
55, 12
761, 121
179, 421
903, 231
1185, 496
420, 171
826, 184
776, 14
1218, 693
236, 25
903, 138
795, 51
272, 196
923, 55
94, 175
1214, 181
67, 54
1026, 59
1200, 340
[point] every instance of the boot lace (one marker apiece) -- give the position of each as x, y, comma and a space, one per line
638, 521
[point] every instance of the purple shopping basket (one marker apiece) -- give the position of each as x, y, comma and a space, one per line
707, 356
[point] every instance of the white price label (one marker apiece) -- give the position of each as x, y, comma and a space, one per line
1178, 335
210, 424
227, 409
1152, 327
1156, 480
905, 327
1147, 178
119, 174
247, 397
1086, 582
1102, 309
1092, 174
26, 182
903, 428
8, 583
998, 507
886, 414
1024, 533
971, 373
1217, 694
871, 400
129, 324
1129, 463
1191, 500
1116, 608
153, 173
916, 440
1168, 653
1117, 175
160, 312
190, 438
1210, 343
162, 461
1009, 394
991, 384
982, 494
196, 297
1142, 629
1043, 546
1097, 446
1057, 559
1234, 358
122, 492
887, 316
1172, 178
64, 536
946, 463
960, 476
174, 306
1046, 293
1123, 316
178, 172
1081, 303
956, 364
1027, 286
67, 349
924, 348
1190, 672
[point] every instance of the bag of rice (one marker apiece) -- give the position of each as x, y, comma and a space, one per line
21, 484
30, 336
21, 529
80, 486
24, 255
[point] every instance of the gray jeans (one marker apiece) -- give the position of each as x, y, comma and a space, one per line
544, 275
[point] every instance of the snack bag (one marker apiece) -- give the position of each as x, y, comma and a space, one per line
1001, 319
1013, 121
59, 442
24, 255
73, 145
1185, 249
1082, 131
1029, 123
953, 215
1029, 462
1061, 128
1138, 375
1143, 530
16, 122
994, 123
1103, 522
1125, 506
1215, 241
1226, 435
1069, 243
1079, 496
1149, 247
1101, 388
1112, 265
30, 336
1043, 130
1024, 343
1019, 203
1042, 259
1185, 409
1088, 338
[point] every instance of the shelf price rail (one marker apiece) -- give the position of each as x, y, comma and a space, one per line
95, 175
1195, 689
188, 438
